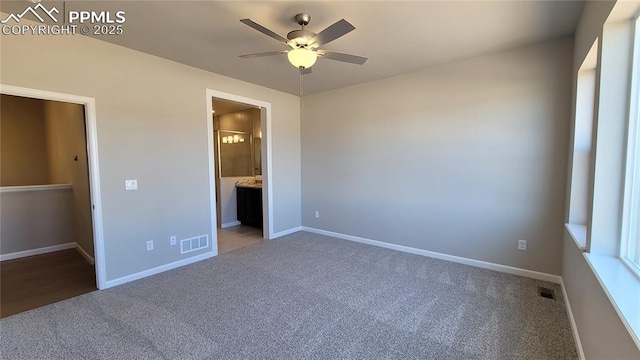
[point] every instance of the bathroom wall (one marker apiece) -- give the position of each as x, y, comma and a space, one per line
228, 203
239, 120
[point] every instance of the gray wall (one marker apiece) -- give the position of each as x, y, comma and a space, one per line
462, 159
151, 125
35, 219
601, 330
602, 333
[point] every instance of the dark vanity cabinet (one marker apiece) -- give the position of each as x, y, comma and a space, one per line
249, 206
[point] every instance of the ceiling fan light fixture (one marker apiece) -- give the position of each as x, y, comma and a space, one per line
302, 58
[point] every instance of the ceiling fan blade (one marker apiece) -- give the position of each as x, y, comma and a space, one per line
333, 32
270, 53
348, 58
263, 30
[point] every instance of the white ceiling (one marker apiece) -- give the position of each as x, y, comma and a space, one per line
397, 36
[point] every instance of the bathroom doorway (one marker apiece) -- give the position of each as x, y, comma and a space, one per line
239, 171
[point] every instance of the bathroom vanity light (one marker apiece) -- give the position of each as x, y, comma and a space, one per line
232, 139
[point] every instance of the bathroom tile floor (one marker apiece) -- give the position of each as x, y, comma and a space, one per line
237, 237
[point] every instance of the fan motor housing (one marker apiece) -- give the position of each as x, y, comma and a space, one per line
302, 37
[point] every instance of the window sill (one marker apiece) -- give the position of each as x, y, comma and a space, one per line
578, 234
622, 289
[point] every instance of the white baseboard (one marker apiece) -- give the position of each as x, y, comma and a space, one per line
230, 224
286, 232
85, 254
457, 259
157, 270
39, 251
572, 322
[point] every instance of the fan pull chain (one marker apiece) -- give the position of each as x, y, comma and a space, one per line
301, 86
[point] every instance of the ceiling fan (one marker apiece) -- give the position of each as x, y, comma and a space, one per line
305, 44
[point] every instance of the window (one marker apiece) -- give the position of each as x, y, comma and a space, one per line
630, 244
582, 147
613, 241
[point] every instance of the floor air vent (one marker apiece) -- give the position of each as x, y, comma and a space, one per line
546, 293
194, 244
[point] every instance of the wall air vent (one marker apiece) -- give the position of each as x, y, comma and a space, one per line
194, 244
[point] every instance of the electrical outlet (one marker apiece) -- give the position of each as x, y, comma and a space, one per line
172, 240
149, 245
522, 244
317, 214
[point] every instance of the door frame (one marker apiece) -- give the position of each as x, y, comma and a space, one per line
265, 126
92, 157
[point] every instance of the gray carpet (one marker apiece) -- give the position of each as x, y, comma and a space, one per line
304, 296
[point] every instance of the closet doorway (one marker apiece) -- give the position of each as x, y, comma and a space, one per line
49, 246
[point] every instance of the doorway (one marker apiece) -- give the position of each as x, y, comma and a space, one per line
65, 198
47, 227
239, 160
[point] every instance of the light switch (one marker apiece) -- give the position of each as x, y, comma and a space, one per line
131, 184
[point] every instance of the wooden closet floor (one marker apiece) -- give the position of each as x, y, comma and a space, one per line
39, 280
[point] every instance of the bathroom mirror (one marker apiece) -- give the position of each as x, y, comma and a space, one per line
236, 158
257, 156
238, 138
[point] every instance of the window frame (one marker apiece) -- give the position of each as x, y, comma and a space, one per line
631, 199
